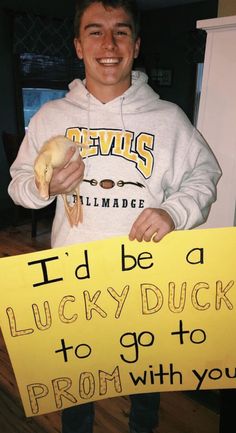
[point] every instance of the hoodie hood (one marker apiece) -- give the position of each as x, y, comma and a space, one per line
138, 98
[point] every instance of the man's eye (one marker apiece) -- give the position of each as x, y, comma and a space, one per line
121, 33
95, 33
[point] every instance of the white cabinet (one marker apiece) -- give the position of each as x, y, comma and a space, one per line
217, 112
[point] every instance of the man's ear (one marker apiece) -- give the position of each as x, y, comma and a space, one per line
137, 48
78, 48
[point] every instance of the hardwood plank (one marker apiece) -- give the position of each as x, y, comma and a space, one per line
16, 240
12, 419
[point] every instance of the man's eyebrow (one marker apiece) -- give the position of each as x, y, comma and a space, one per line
88, 26
98, 25
124, 24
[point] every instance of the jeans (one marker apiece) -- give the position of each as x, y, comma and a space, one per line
143, 415
144, 410
78, 419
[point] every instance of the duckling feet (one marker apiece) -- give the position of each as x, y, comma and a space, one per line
73, 211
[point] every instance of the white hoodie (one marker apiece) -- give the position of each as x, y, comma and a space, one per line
143, 152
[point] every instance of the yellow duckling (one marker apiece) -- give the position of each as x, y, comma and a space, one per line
51, 155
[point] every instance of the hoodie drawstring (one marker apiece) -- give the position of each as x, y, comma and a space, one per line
121, 116
87, 162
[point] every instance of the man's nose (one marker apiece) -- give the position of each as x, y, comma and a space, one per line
109, 41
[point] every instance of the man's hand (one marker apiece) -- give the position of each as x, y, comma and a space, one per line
151, 224
67, 177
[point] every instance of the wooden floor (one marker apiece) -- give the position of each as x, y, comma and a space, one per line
179, 413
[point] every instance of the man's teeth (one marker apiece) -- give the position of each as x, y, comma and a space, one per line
108, 61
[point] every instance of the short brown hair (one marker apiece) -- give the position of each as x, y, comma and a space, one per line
130, 6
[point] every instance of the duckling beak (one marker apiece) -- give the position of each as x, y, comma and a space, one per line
43, 174
43, 187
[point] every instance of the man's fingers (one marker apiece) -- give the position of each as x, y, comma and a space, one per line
69, 154
152, 224
67, 178
140, 226
159, 234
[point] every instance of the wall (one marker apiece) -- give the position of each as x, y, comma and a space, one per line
171, 39
7, 104
226, 8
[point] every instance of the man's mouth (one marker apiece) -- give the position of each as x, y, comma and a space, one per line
109, 61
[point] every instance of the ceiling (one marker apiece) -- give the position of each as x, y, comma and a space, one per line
156, 4
63, 8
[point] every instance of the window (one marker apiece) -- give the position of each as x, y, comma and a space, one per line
198, 91
42, 78
34, 97
45, 62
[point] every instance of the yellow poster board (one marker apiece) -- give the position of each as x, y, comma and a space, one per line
114, 317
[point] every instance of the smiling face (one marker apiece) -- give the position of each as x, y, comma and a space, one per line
108, 47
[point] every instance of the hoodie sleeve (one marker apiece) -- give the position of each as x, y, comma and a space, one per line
22, 188
192, 189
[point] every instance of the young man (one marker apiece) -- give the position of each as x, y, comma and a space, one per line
147, 170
